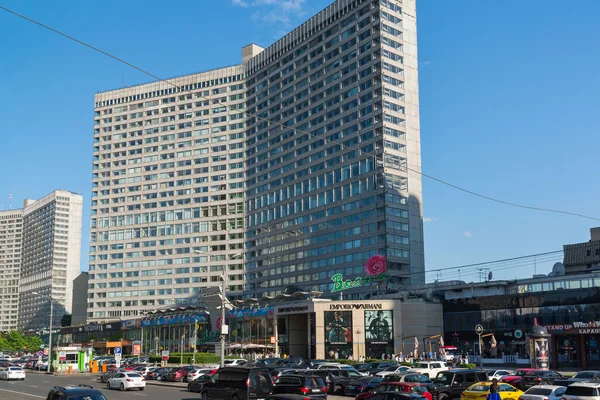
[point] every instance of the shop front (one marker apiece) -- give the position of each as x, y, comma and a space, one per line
575, 345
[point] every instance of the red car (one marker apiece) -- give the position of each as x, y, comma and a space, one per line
402, 387
180, 374
515, 379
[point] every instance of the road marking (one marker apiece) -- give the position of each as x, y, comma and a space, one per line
32, 385
26, 394
139, 394
45, 381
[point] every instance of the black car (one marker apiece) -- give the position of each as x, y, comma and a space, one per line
361, 385
74, 392
450, 384
338, 379
381, 366
582, 376
539, 377
197, 385
286, 397
238, 383
311, 386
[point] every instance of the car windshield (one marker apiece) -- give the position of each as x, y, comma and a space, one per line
134, 375
521, 372
421, 365
586, 375
479, 388
583, 391
88, 397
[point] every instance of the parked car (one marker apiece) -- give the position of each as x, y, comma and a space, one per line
582, 391
197, 385
380, 366
430, 368
482, 390
235, 361
243, 383
362, 385
338, 379
393, 370
286, 396
397, 396
450, 384
266, 361
198, 372
309, 386
109, 374
75, 392
180, 374
410, 377
539, 377
127, 381
581, 376
515, 378
142, 370
544, 392
162, 375
499, 373
8, 373
397, 387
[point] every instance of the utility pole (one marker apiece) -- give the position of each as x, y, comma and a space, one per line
224, 328
194, 339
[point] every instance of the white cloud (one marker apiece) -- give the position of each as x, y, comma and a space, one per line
273, 12
428, 219
468, 234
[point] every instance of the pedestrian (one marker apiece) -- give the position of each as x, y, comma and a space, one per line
383, 356
494, 389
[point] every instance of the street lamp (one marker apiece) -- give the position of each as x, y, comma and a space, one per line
50, 334
224, 328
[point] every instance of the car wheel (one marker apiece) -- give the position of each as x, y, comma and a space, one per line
122, 387
189, 387
443, 397
235, 398
338, 389
204, 396
142, 388
108, 385
182, 379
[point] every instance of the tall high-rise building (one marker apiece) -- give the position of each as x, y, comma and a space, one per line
300, 163
168, 192
40, 247
333, 151
11, 237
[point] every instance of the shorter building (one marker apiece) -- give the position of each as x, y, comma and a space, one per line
300, 324
11, 236
80, 294
583, 257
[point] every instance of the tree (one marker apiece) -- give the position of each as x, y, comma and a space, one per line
65, 320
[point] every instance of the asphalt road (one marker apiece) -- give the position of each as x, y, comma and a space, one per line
37, 386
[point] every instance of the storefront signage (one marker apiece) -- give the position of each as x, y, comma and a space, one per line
355, 307
339, 284
578, 328
209, 336
289, 310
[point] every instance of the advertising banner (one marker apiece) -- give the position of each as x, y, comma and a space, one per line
379, 327
338, 334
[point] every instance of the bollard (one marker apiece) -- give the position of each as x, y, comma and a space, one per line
70, 369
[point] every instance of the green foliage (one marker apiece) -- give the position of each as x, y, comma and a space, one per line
201, 358
469, 366
16, 341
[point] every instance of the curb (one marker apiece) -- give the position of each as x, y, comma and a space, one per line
168, 384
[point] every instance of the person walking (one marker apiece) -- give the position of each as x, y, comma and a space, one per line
494, 391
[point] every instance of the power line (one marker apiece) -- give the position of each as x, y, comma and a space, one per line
375, 155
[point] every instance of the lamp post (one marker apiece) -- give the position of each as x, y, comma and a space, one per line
50, 334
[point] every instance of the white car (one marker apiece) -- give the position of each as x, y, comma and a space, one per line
544, 392
499, 373
429, 368
192, 375
582, 391
8, 373
393, 370
126, 381
235, 361
142, 370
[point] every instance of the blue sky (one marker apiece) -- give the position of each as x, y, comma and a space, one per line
508, 105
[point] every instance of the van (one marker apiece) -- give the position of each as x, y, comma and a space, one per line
238, 383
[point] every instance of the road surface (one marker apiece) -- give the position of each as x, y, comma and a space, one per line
37, 386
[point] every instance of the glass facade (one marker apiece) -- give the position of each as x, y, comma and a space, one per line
326, 147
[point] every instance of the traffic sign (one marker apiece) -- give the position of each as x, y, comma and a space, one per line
118, 363
117, 357
165, 354
40, 353
118, 351
62, 355
479, 329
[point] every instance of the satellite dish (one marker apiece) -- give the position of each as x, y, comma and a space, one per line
558, 269
490, 276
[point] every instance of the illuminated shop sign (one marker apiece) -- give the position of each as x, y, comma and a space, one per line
376, 268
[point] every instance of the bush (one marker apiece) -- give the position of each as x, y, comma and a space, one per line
469, 366
201, 358
343, 361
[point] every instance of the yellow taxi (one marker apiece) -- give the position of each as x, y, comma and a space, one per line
480, 391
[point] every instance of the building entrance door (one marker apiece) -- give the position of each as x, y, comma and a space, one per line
568, 351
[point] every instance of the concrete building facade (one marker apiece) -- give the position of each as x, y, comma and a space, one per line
50, 257
333, 151
581, 258
11, 237
168, 193
80, 294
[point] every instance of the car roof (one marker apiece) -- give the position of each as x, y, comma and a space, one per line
548, 387
79, 390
